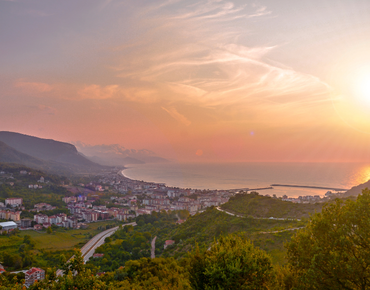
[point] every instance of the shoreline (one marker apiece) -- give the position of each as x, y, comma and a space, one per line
290, 191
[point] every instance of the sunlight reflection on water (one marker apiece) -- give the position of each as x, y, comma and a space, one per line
255, 175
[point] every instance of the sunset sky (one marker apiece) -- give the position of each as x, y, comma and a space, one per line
191, 80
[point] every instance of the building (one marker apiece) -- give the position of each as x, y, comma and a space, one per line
37, 227
33, 275
168, 243
26, 223
69, 199
7, 226
14, 201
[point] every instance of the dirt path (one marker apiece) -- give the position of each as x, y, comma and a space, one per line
152, 255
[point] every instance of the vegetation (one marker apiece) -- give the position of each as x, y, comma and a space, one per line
232, 262
333, 252
24, 249
135, 242
255, 205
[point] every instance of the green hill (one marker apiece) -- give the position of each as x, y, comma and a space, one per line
255, 205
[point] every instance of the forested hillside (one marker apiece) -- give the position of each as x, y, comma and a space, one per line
200, 229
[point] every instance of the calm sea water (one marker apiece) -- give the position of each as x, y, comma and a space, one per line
254, 175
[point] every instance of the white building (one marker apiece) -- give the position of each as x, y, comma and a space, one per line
6, 226
14, 201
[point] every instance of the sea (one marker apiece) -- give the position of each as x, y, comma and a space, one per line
254, 175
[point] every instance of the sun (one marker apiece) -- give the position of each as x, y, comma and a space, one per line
350, 93
362, 87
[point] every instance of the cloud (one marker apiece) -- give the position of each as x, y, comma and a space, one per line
98, 92
48, 110
200, 59
34, 86
177, 116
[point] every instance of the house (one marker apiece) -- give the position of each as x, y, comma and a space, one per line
33, 275
168, 243
37, 227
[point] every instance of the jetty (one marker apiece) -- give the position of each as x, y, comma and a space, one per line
261, 188
310, 186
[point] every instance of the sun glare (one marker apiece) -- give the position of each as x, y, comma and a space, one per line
362, 87
351, 92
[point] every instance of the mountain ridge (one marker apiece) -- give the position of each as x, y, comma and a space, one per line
45, 154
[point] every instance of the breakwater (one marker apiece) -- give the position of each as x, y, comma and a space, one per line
310, 186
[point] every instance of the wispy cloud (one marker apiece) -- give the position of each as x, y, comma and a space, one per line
47, 109
98, 92
193, 54
34, 86
177, 116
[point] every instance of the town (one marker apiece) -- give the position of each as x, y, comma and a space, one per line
114, 196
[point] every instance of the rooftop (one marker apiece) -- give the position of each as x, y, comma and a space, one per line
7, 224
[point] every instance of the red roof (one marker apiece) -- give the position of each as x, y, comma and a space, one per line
98, 255
33, 270
169, 242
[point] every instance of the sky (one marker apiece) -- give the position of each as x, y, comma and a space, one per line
208, 80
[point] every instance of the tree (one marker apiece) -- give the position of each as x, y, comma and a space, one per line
230, 263
49, 230
75, 276
333, 251
158, 273
183, 214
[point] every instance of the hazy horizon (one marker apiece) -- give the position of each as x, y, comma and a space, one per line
199, 81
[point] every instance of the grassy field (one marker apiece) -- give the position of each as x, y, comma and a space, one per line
65, 239
48, 248
61, 239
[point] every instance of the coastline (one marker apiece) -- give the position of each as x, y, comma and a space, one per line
230, 176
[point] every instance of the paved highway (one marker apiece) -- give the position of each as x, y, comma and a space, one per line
89, 248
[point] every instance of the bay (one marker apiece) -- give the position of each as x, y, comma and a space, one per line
254, 175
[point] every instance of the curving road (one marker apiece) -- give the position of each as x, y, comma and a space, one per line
89, 248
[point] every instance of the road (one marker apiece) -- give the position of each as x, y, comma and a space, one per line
152, 255
89, 248
259, 218
280, 231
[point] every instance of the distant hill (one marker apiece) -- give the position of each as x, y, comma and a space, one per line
356, 190
117, 155
46, 154
11, 155
114, 162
